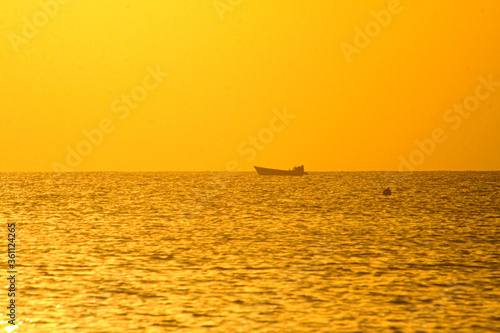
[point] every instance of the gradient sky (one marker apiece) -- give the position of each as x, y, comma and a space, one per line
229, 71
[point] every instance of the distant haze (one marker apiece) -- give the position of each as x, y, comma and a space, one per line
142, 85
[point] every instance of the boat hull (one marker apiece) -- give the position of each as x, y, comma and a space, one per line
276, 172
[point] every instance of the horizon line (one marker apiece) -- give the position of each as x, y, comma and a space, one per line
243, 171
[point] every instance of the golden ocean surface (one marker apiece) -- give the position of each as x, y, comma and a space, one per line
238, 252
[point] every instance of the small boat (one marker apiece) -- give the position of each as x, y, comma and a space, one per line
297, 171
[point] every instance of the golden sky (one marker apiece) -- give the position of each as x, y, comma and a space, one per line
143, 85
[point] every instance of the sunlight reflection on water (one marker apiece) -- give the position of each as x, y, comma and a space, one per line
183, 252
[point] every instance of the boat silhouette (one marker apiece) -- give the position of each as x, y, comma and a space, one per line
297, 171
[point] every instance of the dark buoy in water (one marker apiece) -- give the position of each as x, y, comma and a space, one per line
387, 191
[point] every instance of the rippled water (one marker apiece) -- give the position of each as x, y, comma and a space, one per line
223, 252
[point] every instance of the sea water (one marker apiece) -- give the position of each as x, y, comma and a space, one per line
238, 252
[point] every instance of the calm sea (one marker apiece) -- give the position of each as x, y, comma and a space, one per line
224, 252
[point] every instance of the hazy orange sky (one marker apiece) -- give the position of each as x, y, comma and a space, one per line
355, 101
